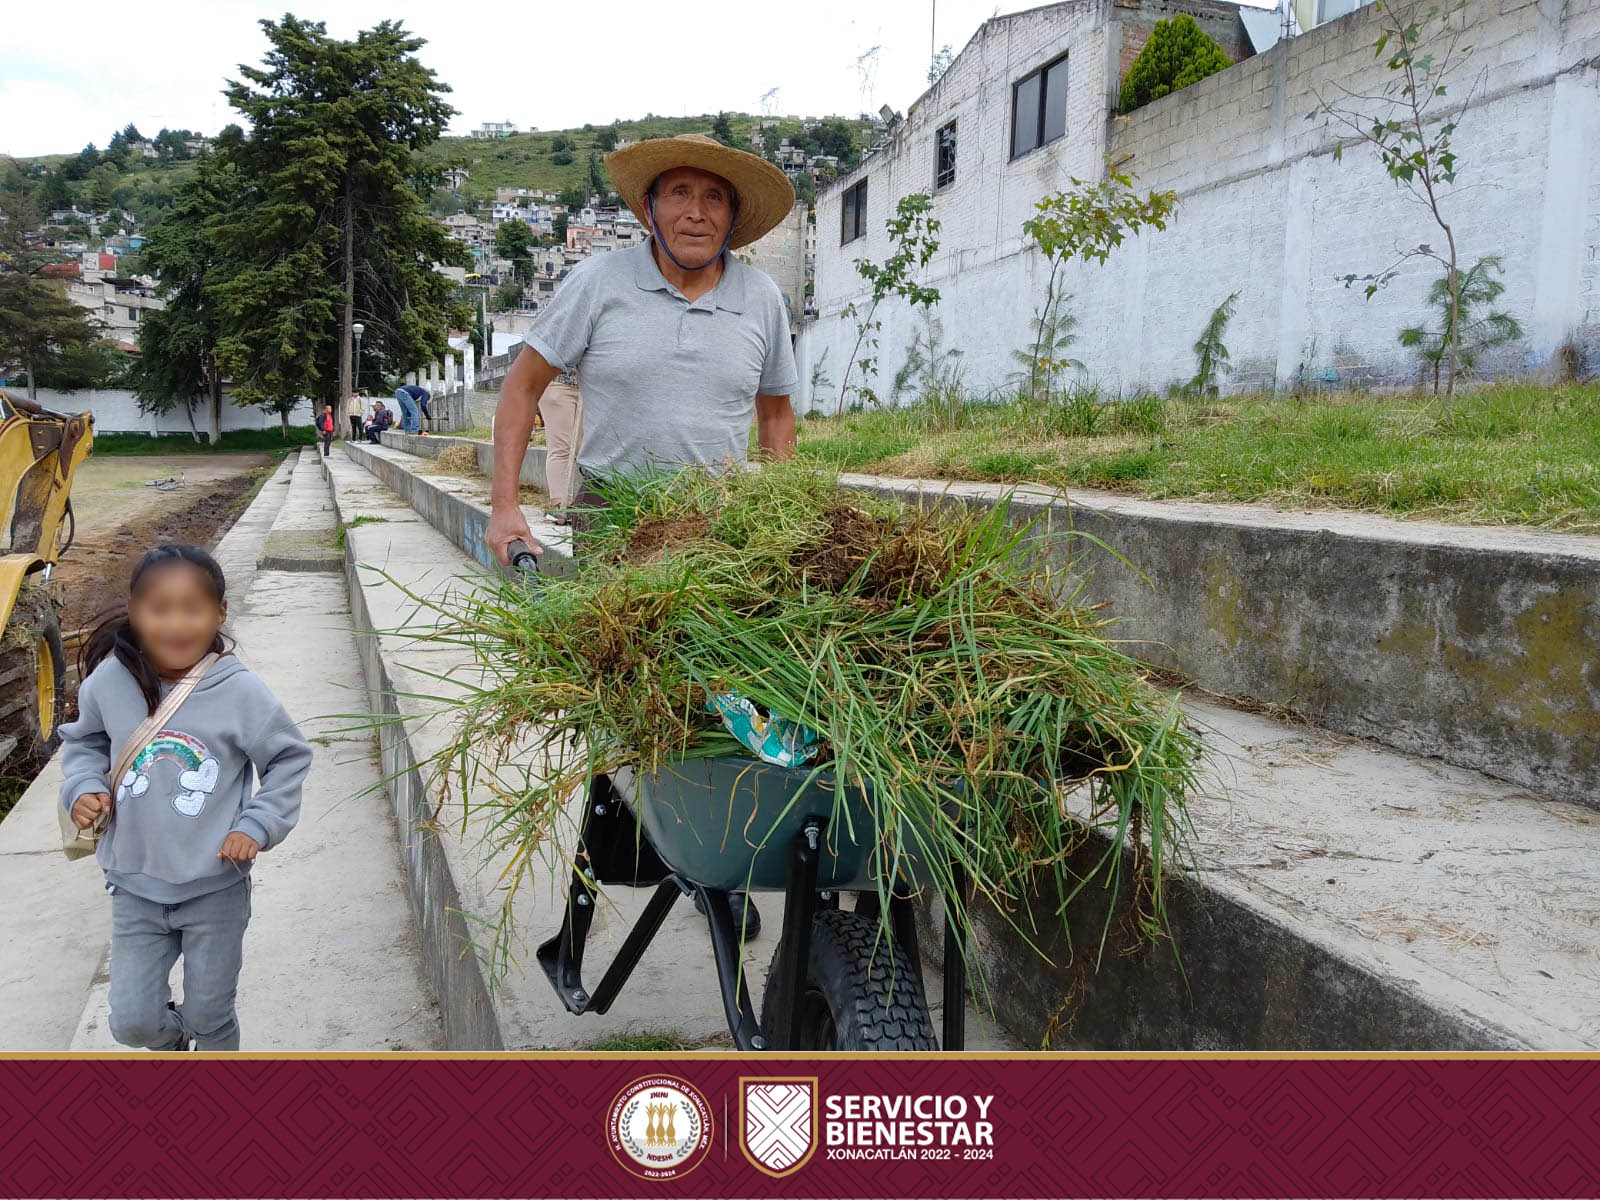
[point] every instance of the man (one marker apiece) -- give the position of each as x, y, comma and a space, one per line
382, 419
411, 398
676, 346
355, 409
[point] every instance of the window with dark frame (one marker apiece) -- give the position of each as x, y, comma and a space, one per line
944, 162
1039, 107
853, 213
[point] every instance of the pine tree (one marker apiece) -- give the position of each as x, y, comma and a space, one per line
1178, 53
178, 344
335, 226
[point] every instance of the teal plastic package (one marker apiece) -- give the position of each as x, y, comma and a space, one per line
773, 739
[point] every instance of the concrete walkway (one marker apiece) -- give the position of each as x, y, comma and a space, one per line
332, 960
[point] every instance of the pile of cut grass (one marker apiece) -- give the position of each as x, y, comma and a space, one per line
949, 682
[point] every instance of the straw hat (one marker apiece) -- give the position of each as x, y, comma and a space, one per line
765, 194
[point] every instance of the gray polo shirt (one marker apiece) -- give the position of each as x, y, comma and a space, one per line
665, 381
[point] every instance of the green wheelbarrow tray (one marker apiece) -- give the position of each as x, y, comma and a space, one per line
728, 823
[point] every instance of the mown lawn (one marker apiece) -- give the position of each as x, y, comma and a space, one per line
1512, 454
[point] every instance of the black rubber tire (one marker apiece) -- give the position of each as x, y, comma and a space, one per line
858, 984
33, 620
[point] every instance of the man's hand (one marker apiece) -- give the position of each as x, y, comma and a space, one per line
239, 847
530, 374
506, 525
87, 807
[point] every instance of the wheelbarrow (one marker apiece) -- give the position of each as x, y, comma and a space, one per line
708, 827
839, 980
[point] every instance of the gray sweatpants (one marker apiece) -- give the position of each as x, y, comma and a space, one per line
147, 938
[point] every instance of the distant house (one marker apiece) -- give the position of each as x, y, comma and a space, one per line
495, 129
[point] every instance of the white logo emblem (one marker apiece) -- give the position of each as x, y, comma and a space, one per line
778, 1123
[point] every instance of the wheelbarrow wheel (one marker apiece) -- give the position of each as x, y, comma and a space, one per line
859, 992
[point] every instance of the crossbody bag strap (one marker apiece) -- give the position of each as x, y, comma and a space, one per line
140, 737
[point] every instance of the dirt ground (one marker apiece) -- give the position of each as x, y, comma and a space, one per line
120, 517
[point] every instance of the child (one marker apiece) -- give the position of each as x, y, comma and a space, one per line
325, 428
185, 825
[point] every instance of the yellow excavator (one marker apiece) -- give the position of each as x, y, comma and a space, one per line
40, 451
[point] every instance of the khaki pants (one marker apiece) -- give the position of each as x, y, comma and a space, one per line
561, 408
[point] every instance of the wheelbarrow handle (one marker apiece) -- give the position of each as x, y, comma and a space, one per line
522, 558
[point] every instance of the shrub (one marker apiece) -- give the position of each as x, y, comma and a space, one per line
1178, 53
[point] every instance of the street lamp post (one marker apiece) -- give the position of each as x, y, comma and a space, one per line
358, 329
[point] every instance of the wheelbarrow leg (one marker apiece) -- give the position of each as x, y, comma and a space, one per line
799, 908
638, 941
562, 956
955, 964
736, 1003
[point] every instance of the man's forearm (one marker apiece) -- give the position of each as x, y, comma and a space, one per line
775, 432
513, 426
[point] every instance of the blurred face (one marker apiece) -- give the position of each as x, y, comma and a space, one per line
693, 211
175, 616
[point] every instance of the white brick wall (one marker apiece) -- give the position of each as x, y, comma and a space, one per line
1265, 208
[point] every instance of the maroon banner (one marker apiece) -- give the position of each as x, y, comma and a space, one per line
725, 1125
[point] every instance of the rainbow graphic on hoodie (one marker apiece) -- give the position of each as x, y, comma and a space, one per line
197, 771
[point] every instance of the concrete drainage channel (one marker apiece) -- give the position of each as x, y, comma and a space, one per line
1345, 896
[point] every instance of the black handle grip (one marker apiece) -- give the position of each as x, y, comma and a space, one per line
522, 558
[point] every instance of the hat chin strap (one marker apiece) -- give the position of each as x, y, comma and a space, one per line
661, 239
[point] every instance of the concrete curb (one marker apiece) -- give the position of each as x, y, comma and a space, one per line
461, 519
1269, 959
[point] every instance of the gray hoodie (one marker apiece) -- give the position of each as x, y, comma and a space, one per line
191, 785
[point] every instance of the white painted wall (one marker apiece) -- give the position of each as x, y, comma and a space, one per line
1265, 208
117, 411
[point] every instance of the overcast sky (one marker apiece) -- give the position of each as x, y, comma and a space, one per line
72, 75
65, 82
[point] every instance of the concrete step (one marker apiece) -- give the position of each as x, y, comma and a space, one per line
332, 960
1343, 895
455, 875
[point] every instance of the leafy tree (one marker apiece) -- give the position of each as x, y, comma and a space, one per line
178, 344
560, 226
38, 324
722, 130
131, 134
1087, 222
940, 64
562, 158
55, 193
514, 240
833, 136
560, 143
1476, 290
1417, 152
100, 193
334, 227
1178, 53
573, 198
1210, 352
78, 168
77, 366
606, 139
599, 185
913, 238
509, 295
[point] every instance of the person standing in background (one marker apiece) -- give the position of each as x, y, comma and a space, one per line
326, 424
562, 411
355, 409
